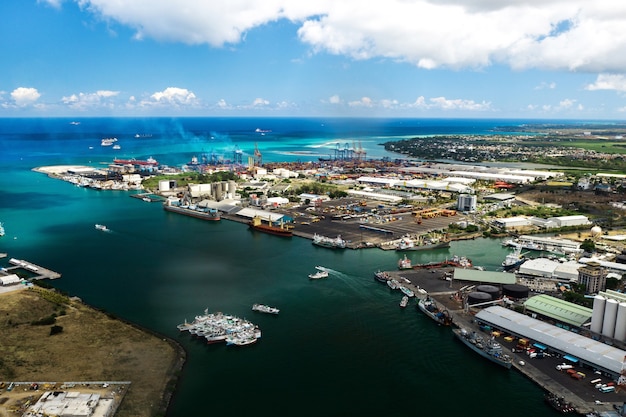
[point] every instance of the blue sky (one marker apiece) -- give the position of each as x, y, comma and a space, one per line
375, 58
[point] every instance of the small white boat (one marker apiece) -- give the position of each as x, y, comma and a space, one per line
265, 309
102, 227
1, 229
404, 301
319, 275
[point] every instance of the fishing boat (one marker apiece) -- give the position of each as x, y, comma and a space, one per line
263, 308
102, 228
327, 242
219, 327
406, 291
382, 276
319, 275
192, 210
429, 307
405, 301
487, 348
393, 284
279, 230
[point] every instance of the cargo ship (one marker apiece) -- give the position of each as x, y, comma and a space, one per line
327, 242
150, 161
455, 262
280, 230
204, 213
489, 348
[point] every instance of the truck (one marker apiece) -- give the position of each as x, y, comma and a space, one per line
563, 367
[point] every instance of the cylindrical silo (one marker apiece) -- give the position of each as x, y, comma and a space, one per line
232, 188
492, 290
610, 317
218, 193
598, 314
620, 324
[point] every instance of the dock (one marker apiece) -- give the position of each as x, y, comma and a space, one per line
39, 271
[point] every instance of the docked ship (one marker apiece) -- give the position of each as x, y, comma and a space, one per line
219, 327
407, 244
455, 262
148, 162
545, 244
382, 276
193, 210
489, 348
406, 291
514, 259
262, 308
327, 242
405, 263
279, 230
405, 301
558, 403
393, 284
429, 307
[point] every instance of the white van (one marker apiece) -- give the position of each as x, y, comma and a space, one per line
563, 367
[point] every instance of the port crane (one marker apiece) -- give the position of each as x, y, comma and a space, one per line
258, 158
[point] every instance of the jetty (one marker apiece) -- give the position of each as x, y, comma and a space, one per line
39, 272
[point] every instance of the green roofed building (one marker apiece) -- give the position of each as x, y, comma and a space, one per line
562, 312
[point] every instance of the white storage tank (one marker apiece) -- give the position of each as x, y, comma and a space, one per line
232, 189
598, 314
620, 324
610, 318
164, 185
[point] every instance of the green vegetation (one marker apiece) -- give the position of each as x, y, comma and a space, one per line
52, 296
185, 178
536, 211
318, 188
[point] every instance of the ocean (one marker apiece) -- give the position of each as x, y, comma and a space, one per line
340, 346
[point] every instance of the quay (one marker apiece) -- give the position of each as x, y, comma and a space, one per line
581, 395
39, 271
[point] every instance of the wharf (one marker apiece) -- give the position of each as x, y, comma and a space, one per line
38, 271
582, 396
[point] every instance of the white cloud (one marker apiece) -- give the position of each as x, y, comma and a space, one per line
24, 96
615, 82
86, 101
171, 97
259, 102
576, 35
546, 86
443, 103
54, 3
363, 102
222, 104
334, 99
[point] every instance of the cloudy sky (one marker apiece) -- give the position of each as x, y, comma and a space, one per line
376, 58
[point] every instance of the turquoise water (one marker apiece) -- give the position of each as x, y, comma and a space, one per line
340, 346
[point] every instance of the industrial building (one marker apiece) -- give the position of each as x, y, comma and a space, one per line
466, 203
509, 223
564, 314
549, 269
571, 346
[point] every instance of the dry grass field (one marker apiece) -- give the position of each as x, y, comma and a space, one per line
91, 347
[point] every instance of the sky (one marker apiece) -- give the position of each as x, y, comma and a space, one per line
529, 59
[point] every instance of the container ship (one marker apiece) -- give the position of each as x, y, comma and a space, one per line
204, 213
269, 227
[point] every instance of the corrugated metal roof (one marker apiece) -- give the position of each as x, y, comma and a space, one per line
491, 277
558, 309
599, 354
265, 215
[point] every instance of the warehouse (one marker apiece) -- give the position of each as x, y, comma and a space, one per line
582, 350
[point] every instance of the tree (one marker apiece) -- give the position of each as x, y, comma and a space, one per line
56, 330
588, 245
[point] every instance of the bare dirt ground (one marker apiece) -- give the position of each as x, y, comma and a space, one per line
91, 347
589, 201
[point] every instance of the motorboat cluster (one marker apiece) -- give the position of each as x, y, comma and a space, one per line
219, 327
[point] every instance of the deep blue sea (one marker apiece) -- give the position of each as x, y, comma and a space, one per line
340, 347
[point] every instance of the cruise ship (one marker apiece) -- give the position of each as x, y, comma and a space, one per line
489, 348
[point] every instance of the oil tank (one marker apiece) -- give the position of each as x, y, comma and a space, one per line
477, 297
515, 291
620, 324
493, 291
610, 318
598, 314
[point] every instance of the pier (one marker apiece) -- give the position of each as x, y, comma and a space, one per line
39, 271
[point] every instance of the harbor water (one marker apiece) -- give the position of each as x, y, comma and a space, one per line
340, 346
